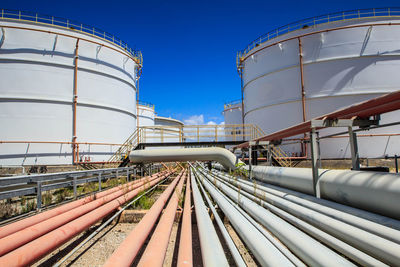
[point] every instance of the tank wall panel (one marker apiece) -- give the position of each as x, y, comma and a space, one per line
36, 95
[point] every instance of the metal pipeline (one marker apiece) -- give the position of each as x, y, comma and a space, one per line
212, 252
309, 223
157, 247
22, 224
372, 191
17, 239
222, 155
185, 255
36, 249
298, 242
265, 252
125, 254
333, 210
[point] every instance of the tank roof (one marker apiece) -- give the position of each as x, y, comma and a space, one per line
72, 25
322, 19
168, 119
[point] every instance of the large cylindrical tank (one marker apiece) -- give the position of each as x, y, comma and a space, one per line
233, 113
146, 114
47, 63
340, 59
172, 133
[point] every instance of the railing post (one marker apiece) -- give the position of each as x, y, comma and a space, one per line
127, 175
38, 195
52, 20
216, 133
198, 134
74, 186
36, 17
396, 164
19, 15
99, 178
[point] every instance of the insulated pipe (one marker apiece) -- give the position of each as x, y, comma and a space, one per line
372, 191
212, 252
347, 250
285, 251
222, 155
17, 239
300, 199
228, 239
376, 246
22, 224
38, 248
125, 254
185, 256
265, 252
308, 249
157, 247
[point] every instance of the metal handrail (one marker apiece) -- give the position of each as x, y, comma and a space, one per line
17, 15
37, 183
146, 104
232, 103
318, 20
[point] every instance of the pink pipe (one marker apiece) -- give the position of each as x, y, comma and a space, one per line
26, 235
156, 249
128, 250
185, 257
38, 248
22, 224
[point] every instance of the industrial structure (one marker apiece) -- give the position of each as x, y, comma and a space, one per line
315, 66
202, 204
65, 89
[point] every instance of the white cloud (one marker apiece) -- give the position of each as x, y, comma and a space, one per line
222, 123
211, 123
194, 120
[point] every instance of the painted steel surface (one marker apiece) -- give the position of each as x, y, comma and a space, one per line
37, 92
340, 67
146, 115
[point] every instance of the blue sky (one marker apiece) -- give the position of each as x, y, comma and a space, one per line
189, 47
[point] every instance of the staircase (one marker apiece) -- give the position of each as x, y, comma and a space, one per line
122, 154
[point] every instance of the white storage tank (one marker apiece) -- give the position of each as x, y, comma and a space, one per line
146, 114
170, 134
67, 90
316, 66
233, 112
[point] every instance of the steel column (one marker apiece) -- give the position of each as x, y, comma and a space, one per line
314, 161
355, 158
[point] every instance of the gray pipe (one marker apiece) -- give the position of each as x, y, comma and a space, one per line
347, 250
285, 251
231, 245
266, 253
383, 249
222, 155
211, 249
307, 248
311, 203
373, 191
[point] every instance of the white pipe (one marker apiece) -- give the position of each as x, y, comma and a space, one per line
308, 249
265, 252
211, 249
305, 219
320, 206
222, 155
373, 191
